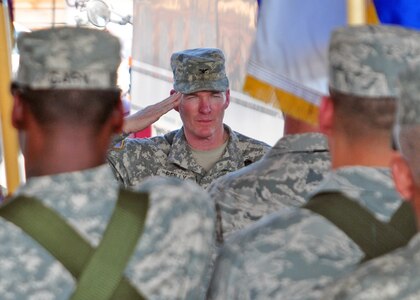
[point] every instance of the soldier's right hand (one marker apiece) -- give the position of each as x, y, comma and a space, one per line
149, 115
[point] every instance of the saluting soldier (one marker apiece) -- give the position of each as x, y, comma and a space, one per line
204, 148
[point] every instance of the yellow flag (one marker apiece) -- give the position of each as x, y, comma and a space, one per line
10, 140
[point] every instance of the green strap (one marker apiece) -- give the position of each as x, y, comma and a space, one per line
105, 269
404, 219
52, 232
374, 237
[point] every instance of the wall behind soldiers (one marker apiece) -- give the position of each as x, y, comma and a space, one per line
35, 14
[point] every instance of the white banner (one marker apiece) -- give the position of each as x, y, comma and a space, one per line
162, 27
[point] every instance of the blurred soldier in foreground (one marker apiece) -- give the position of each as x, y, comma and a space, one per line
3, 193
294, 253
3, 190
67, 106
283, 178
204, 148
396, 275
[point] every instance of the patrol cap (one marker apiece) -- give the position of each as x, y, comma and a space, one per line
408, 104
366, 60
68, 58
201, 69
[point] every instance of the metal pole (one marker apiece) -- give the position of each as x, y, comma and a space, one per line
10, 140
53, 13
356, 12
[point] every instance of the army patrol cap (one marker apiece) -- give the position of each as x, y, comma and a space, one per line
201, 69
366, 60
68, 58
408, 104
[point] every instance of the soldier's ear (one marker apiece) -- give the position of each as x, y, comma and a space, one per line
18, 113
403, 178
117, 117
326, 115
227, 102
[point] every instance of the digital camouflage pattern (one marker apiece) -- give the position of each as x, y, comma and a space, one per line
68, 57
393, 276
396, 275
171, 260
408, 104
3, 193
366, 60
200, 69
132, 160
282, 178
294, 253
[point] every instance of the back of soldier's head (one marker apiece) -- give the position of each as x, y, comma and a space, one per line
407, 123
364, 63
68, 74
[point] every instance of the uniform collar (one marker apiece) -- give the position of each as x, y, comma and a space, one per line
180, 154
85, 177
304, 142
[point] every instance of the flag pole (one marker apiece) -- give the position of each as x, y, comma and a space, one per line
10, 140
356, 12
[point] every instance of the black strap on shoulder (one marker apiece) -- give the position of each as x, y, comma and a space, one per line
85, 263
374, 237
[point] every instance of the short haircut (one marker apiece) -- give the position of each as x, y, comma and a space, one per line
74, 107
364, 116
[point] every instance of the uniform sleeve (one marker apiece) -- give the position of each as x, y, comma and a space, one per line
116, 161
178, 240
225, 275
132, 160
226, 199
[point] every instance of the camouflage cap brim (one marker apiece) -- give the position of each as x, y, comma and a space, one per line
188, 88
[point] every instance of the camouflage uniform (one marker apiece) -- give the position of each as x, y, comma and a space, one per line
3, 193
283, 178
171, 257
293, 253
200, 69
393, 276
135, 159
396, 275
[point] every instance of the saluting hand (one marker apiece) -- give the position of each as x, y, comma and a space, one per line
149, 115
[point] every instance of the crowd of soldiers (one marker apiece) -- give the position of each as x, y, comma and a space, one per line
204, 212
